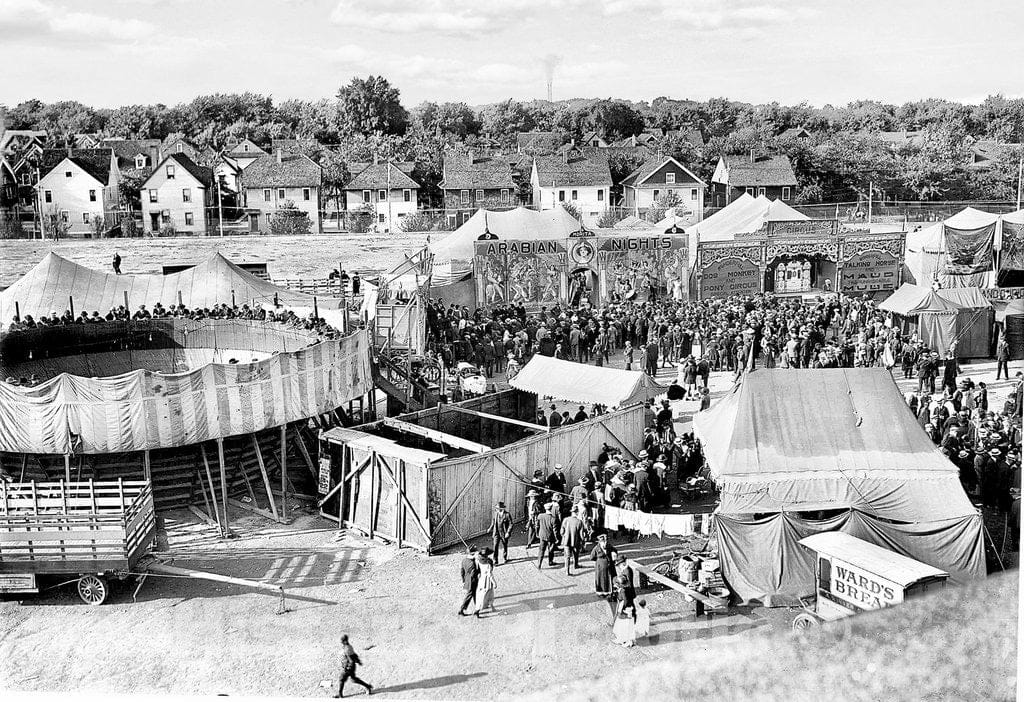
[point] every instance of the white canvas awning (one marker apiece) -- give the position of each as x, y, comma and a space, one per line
579, 382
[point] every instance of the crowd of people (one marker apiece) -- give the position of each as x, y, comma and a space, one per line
286, 318
708, 335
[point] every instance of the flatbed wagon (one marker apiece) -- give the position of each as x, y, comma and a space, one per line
86, 532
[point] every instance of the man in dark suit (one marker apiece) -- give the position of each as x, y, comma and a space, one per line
555, 418
547, 527
501, 530
470, 576
556, 481
572, 541
641, 479
594, 475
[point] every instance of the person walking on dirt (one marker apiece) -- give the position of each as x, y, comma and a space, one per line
350, 659
116, 263
501, 530
470, 578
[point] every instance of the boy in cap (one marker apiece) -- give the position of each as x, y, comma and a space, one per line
350, 659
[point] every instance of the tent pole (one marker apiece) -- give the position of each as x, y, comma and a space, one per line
284, 471
266, 478
223, 485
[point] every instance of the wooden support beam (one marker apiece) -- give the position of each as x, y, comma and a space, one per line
223, 485
373, 492
209, 477
304, 452
253, 508
284, 471
202, 489
147, 468
404, 499
497, 418
266, 478
435, 435
67, 467
203, 515
248, 485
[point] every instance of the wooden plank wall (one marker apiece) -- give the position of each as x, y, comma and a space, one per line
475, 483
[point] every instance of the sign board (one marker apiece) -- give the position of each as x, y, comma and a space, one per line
730, 276
860, 589
18, 582
869, 271
824, 228
323, 484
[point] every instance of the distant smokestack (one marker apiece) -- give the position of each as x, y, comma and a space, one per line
550, 62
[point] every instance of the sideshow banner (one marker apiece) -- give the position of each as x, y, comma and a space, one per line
1013, 246
639, 263
730, 276
527, 272
869, 271
969, 250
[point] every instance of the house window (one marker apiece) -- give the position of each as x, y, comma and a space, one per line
85, 218
186, 195
152, 195
305, 194
268, 218
179, 148
479, 195
140, 161
760, 191
561, 196
170, 173
464, 196
64, 216
380, 218
600, 194
656, 194
670, 178
504, 195
382, 195
245, 147
407, 195
693, 194
366, 196
750, 192
266, 194
92, 196
166, 216
67, 174
574, 195
280, 193
785, 193
48, 196
188, 219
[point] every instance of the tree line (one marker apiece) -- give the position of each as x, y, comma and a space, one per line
836, 163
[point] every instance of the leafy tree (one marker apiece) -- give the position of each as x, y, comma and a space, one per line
503, 120
573, 210
449, 118
54, 224
614, 120
659, 210
62, 120
290, 220
371, 105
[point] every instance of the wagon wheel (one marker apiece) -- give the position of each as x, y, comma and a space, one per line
664, 569
93, 589
432, 372
804, 622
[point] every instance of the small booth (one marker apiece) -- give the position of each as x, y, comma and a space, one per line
942, 317
852, 576
1011, 320
430, 479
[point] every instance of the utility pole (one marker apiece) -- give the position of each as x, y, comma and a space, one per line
871, 188
1020, 176
387, 166
39, 199
220, 210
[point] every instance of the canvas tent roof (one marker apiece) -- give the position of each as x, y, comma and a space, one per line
910, 300
632, 222
519, 223
53, 280
827, 439
744, 215
579, 382
1014, 308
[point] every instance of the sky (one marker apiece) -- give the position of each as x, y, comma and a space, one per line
115, 52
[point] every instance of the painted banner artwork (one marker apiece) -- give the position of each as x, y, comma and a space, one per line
869, 271
730, 276
969, 250
643, 262
527, 272
1013, 246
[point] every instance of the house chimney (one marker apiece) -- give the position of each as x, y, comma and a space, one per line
375, 158
565, 156
280, 155
471, 155
751, 155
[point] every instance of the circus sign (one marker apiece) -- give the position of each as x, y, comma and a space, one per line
869, 271
730, 276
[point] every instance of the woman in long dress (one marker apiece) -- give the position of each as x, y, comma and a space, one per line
624, 626
486, 583
603, 556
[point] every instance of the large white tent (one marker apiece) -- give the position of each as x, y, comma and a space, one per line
453, 255
744, 215
581, 382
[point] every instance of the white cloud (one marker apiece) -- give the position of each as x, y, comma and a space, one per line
34, 20
701, 15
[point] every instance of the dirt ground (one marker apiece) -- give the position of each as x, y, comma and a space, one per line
399, 608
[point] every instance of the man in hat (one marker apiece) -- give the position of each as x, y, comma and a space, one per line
594, 475
580, 491
641, 480
501, 530
988, 475
349, 661
547, 530
470, 576
572, 541
664, 420
555, 418
556, 481
533, 511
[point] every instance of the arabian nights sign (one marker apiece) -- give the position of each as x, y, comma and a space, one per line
519, 247
869, 271
730, 276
